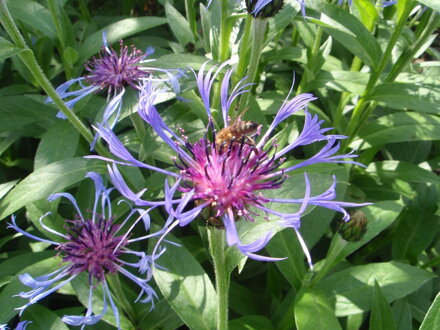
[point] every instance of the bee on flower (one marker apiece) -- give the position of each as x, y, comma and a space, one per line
93, 245
231, 178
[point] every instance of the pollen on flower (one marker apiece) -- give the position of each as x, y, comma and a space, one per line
112, 71
93, 247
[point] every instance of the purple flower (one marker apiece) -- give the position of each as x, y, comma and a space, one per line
112, 71
94, 246
226, 171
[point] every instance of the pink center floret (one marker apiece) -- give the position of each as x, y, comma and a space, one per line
231, 177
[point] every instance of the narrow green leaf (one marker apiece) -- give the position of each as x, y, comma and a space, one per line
286, 244
186, 287
351, 289
402, 314
418, 225
5, 187
381, 317
18, 111
313, 311
392, 169
161, 317
7, 49
50, 179
9, 293
116, 32
171, 61
81, 286
351, 33
70, 56
32, 14
44, 318
400, 96
432, 318
179, 25
58, 143
400, 127
251, 322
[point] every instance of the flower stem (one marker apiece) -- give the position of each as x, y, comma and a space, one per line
258, 32
216, 239
28, 58
243, 58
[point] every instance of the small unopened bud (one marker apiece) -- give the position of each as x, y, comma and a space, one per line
269, 10
354, 230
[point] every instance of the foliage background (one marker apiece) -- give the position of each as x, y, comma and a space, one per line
388, 279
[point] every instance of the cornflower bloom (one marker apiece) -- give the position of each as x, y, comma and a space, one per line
94, 246
230, 176
113, 72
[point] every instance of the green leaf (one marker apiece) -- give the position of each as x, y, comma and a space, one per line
44, 318
418, 225
251, 322
313, 311
81, 286
400, 127
402, 314
34, 15
58, 143
47, 180
116, 32
161, 317
351, 289
179, 25
392, 169
70, 56
172, 61
423, 98
341, 81
5, 187
434, 4
432, 318
186, 287
7, 49
381, 317
18, 111
9, 293
16, 264
367, 13
351, 33
286, 244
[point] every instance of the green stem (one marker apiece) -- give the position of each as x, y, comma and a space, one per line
217, 246
258, 32
191, 16
355, 121
115, 284
28, 58
311, 61
243, 59
84, 11
224, 33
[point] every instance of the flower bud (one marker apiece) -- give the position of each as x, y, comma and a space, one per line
354, 230
268, 10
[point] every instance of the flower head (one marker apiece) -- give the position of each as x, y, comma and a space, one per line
113, 71
92, 245
229, 170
